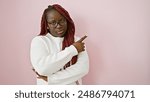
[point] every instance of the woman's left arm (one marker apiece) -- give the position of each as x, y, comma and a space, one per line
72, 73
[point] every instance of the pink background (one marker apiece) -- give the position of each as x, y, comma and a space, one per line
118, 38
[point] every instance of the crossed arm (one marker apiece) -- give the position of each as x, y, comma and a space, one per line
48, 68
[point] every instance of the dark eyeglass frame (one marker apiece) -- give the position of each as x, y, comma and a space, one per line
54, 23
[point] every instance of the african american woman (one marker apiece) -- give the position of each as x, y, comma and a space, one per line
58, 57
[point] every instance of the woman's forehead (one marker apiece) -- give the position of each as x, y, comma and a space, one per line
53, 14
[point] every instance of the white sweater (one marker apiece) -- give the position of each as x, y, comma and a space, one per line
47, 58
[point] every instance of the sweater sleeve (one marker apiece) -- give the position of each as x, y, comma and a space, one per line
46, 63
72, 73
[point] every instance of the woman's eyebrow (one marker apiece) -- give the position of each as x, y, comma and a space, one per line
51, 19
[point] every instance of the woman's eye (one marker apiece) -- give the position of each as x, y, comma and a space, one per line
52, 23
62, 20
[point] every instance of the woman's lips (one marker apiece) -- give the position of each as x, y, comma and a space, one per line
60, 31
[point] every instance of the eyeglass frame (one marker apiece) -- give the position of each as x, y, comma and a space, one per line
55, 24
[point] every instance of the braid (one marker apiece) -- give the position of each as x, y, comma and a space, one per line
69, 36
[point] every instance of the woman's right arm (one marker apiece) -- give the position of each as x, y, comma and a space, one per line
46, 63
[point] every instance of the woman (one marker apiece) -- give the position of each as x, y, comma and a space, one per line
58, 57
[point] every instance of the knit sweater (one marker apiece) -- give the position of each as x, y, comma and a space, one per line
48, 59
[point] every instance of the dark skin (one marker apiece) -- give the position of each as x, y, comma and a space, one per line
57, 25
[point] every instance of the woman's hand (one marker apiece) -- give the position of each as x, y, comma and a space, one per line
40, 76
79, 45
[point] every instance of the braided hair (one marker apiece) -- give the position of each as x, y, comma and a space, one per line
69, 36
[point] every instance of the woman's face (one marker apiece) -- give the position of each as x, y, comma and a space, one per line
57, 24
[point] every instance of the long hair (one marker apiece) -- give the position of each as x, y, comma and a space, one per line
69, 36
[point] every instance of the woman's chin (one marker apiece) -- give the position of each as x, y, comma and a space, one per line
60, 34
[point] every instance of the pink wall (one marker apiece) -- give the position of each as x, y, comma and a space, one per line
118, 38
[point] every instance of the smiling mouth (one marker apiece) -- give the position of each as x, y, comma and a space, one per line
60, 31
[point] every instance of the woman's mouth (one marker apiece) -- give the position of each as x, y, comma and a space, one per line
60, 31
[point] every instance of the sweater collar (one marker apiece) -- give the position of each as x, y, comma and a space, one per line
55, 38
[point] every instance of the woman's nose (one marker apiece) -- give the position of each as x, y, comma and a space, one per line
58, 25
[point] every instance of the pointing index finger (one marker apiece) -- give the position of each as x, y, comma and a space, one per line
36, 72
82, 38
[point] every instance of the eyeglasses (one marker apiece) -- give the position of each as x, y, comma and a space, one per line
55, 24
